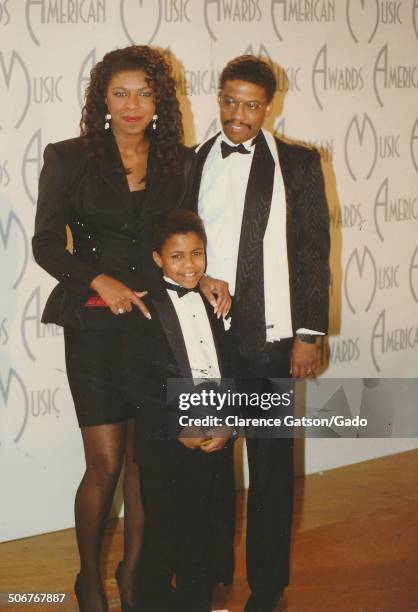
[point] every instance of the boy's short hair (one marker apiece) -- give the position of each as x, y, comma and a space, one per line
252, 69
176, 222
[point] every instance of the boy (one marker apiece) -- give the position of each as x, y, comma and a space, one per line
180, 462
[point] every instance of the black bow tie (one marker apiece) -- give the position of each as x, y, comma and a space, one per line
181, 291
227, 149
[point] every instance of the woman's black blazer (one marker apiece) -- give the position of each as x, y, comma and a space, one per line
107, 234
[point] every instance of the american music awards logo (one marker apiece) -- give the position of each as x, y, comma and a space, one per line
413, 275
66, 13
84, 75
141, 19
21, 405
296, 13
389, 208
230, 11
31, 165
414, 145
4, 13
385, 339
328, 77
14, 240
390, 76
15, 88
363, 146
415, 17
360, 280
31, 329
4, 174
361, 134
362, 19
15, 399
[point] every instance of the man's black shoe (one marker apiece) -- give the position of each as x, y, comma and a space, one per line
262, 603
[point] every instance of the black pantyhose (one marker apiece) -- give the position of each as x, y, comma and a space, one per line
105, 448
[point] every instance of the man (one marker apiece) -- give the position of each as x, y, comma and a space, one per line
263, 204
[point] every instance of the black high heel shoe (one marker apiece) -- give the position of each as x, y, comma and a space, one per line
124, 605
78, 590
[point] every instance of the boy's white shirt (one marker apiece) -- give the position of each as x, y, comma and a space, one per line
197, 333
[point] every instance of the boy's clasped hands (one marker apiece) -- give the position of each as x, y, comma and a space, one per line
194, 438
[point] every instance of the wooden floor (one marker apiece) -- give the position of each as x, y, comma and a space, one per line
355, 546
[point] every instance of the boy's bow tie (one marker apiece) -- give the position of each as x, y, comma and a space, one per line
227, 149
181, 291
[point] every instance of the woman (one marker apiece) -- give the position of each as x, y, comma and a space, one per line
107, 186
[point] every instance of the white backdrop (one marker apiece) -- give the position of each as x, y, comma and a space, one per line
348, 77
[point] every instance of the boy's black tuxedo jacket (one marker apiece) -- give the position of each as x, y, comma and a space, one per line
95, 203
307, 224
157, 352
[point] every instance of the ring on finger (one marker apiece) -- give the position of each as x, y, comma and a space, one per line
121, 311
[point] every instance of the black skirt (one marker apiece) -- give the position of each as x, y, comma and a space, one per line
94, 360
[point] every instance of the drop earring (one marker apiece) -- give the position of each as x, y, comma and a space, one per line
108, 117
154, 122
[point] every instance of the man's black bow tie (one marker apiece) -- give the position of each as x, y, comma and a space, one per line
181, 291
227, 149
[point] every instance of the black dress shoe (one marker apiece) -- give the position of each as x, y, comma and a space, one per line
262, 603
77, 591
81, 595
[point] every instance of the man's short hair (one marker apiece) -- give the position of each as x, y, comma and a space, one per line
176, 222
252, 69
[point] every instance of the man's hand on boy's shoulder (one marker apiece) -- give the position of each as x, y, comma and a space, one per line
217, 293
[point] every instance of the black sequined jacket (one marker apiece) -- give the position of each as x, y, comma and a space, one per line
107, 235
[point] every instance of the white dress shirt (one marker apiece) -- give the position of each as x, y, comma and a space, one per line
197, 333
221, 206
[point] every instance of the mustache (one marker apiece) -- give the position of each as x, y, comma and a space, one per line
228, 121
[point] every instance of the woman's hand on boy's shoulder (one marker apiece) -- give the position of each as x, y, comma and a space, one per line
217, 293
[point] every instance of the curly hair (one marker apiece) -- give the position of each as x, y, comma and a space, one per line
166, 141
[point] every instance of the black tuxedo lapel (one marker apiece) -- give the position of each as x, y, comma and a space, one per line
153, 203
249, 308
113, 176
171, 326
201, 158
